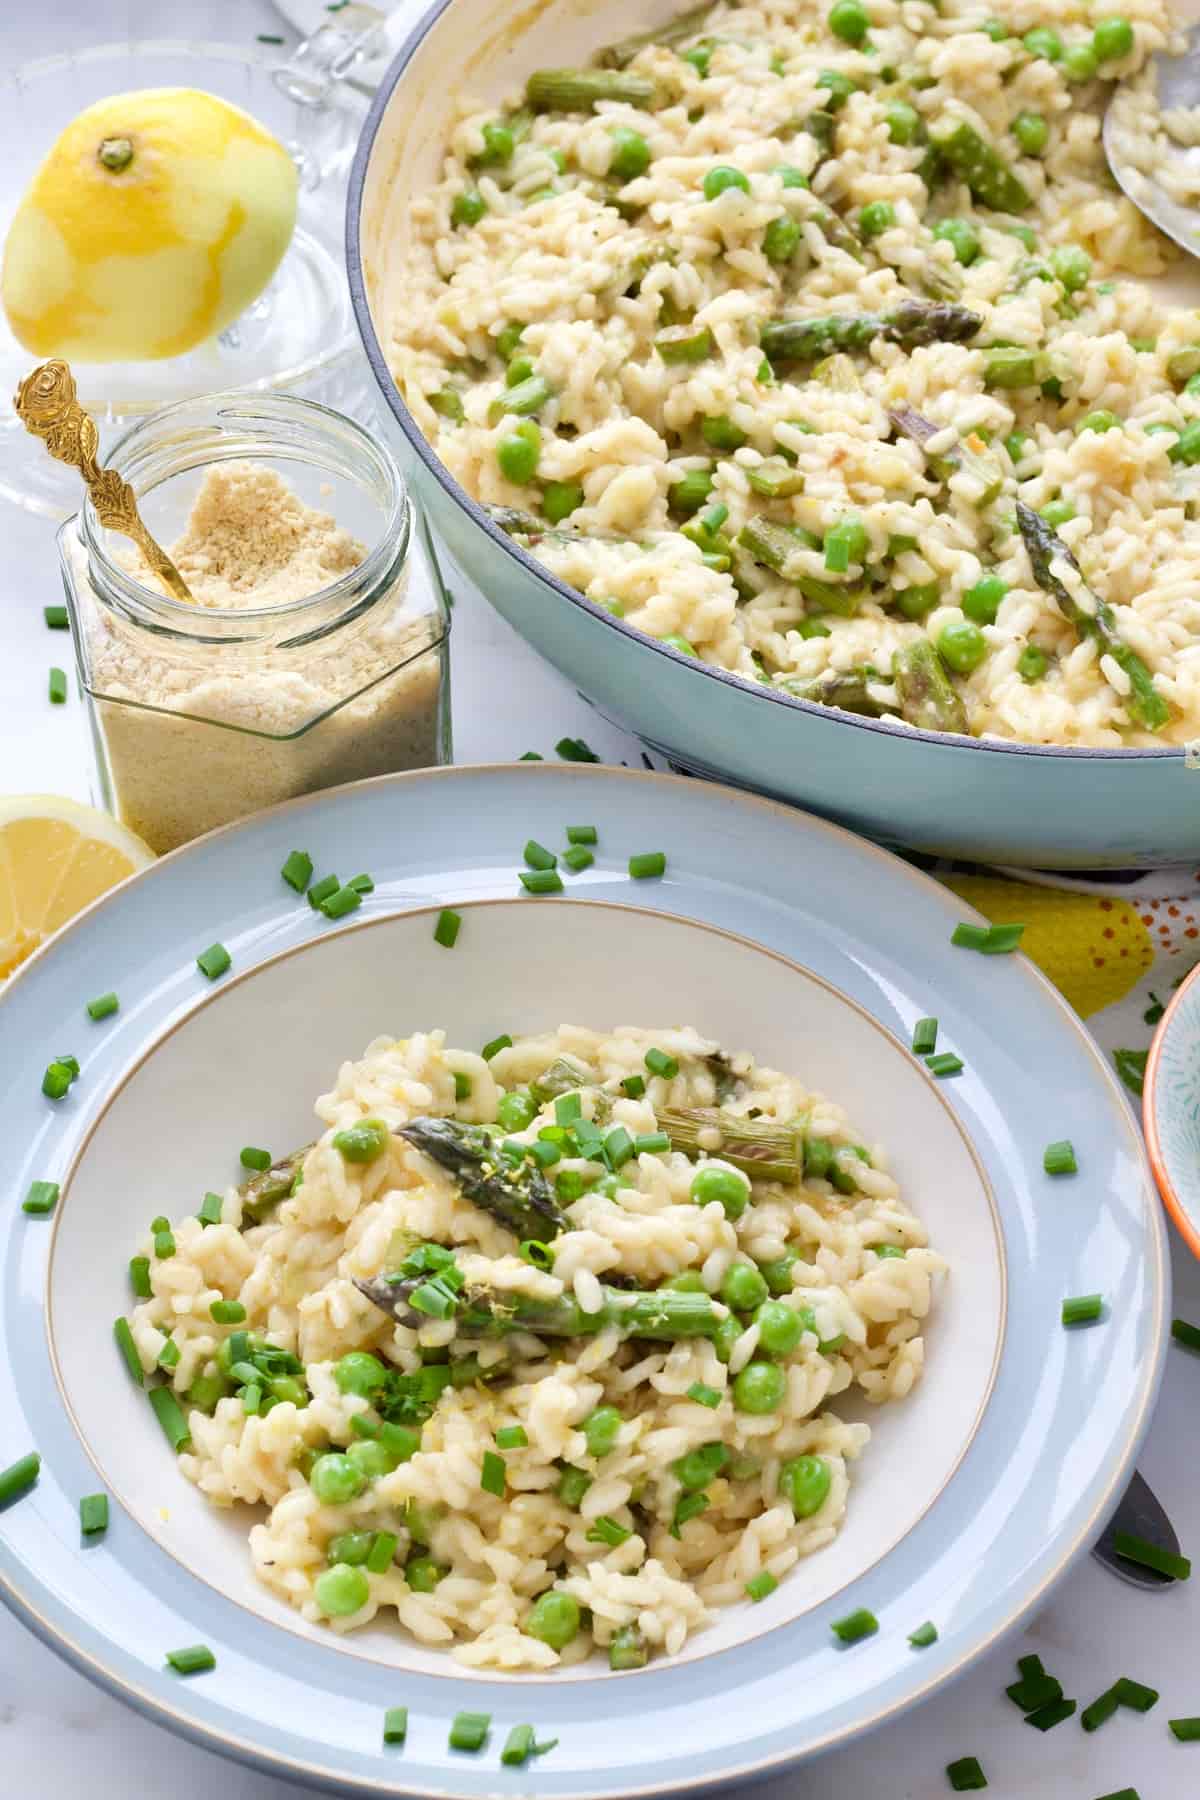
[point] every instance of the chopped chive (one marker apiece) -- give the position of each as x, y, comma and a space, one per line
56, 617
297, 870
58, 687
652, 1143
530, 756
503, 1042
168, 1356
704, 1395
56, 1080
362, 884
214, 961
445, 933
575, 750
1034, 1691
568, 1108
323, 890
1082, 1309
1059, 1158
541, 881
492, 1475
538, 857
760, 1585
128, 1348
635, 1087
944, 1063
169, 1414
93, 1514
511, 1437
253, 1158
659, 1062
924, 1037
395, 1725
103, 1008
647, 864
1102, 1709
577, 859
855, 1625
41, 1199
1136, 1549
1133, 1694
164, 1245
1186, 1730
346, 900
582, 834
161, 1223
539, 1255
923, 1636
1030, 1666
462, 1085
688, 1506
382, 1552
1047, 1717
990, 940
252, 1398
518, 1746
469, 1730
604, 1530
1183, 1333
1121, 1793
139, 1277
618, 1148
1131, 1067
965, 1775
197, 1659
227, 1312
209, 1210
268, 37
19, 1477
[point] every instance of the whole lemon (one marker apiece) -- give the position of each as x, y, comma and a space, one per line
155, 220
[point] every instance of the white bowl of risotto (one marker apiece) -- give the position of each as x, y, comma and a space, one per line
615, 1290
797, 380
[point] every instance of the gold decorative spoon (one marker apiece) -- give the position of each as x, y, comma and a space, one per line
47, 406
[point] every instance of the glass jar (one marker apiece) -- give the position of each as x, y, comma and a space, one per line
202, 713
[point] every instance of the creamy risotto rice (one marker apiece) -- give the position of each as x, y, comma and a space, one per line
967, 500
595, 1399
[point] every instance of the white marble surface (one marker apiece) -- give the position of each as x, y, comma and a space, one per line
59, 1735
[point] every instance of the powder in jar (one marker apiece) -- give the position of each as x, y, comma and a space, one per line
198, 734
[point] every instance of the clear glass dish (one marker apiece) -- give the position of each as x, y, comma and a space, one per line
298, 336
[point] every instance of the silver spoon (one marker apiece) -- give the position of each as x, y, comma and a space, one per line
1178, 86
1141, 1515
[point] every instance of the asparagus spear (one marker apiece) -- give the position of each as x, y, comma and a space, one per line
1145, 705
985, 172
910, 323
559, 1077
763, 1148
483, 1311
265, 1190
578, 90
844, 688
926, 694
519, 1197
675, 31
985, 468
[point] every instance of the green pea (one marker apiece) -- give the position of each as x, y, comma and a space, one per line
508, 339
876, 217
903, 122
743, 1288
982, 602
780, 1327
1099, 421
915, 602
688, 1281
698, 1467
498, 144
287, 1387
1016, 443
630, 153
759, 1388
468, 207
997, 30
961, 646
962, 234
721, 432
848, 20
364, 1142
727, 1186
358, 1372
560, 499
1041, 41
726, 1335
335, 1479
722, 177
205, 1391
690, 492
554, 1618
352, 1547
1185, 449
1057, 512
1032, 663
781, 239
792, 177
516, 1110
1071, 265
678, 642
518, 370
1112, 38
341, 1590
1080, 62
839, 87
1031, 132
805, 1483
778, 1274
600, 1428
423, 1574
518, 451
370, 1458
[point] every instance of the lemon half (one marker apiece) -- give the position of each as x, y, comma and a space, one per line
55, 858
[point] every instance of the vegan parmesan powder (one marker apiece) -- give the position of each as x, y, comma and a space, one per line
198, 734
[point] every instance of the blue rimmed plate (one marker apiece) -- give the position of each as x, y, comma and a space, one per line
1044, 1466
